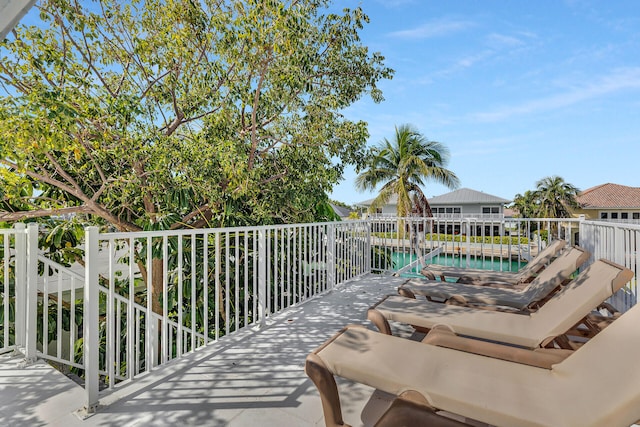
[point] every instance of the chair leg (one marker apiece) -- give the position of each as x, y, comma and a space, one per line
428, 274
406, 293
326, 385
379, 321
412, 409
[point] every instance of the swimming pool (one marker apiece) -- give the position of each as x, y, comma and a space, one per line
402, 259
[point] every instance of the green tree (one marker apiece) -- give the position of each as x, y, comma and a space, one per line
402, 166
526, 204
555, 197
163, 115
151, 114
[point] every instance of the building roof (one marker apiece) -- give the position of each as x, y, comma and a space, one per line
392, 201
340, 211
11, 11
463, 196
610, 196
466, 196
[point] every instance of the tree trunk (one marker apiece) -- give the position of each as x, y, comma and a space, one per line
156, 284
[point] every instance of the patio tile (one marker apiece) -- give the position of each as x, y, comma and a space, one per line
254, 377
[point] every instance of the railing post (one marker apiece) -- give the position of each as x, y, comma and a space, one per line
368, 255
91, 338
31, 303
468, 257
21, 284
262, 276
331, 256
618, 246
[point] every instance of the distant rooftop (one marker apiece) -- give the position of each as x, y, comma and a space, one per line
466, 196
11, 11
463, 196
610, 196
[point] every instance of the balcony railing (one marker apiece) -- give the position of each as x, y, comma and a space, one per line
143, 299
441, 215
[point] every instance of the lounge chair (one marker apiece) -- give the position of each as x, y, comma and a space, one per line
557, 273
596, 385
471, 275
561, 312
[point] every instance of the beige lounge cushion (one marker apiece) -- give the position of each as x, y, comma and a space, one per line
477, 275
576, 392
594, 285
549, 279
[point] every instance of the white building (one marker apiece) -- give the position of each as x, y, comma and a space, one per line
462, 203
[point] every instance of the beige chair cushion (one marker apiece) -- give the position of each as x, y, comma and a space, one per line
594, 285
549, 279
477, 275
595, 386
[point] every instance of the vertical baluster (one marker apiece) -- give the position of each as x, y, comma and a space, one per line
237, 281
193, 308
110, 356
227, 273
205, 286
166, 332
246, 252
131, 319
179, 285
217, 286
59, 316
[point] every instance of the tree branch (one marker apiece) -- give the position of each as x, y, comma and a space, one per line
254, 112
39, 213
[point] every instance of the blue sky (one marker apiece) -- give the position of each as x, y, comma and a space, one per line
518, 90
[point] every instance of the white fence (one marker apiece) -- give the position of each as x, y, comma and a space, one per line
500, 244
617, 242
12, 270
143, 299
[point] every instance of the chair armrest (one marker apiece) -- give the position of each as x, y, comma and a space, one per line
541, 358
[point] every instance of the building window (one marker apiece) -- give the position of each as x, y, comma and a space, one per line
446, 210
624, 215
604, 215
614, 215
490, 209
636, 215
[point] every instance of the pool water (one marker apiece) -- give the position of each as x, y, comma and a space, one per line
401, 259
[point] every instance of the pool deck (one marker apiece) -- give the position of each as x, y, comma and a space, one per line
254, 377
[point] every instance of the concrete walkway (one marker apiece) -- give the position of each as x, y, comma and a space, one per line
255, 377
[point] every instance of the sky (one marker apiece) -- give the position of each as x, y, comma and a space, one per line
517, 90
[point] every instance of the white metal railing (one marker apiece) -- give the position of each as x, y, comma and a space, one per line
500, 244
60, 312
617, 242
143, 299
443, 215
13, 257
164, 294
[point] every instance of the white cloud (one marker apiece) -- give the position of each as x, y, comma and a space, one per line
432, 29
617, 80
500, 40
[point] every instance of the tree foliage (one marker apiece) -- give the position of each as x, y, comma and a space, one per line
402, 166
552, 198
168, 114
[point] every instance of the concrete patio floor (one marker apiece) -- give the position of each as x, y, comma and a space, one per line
255, 377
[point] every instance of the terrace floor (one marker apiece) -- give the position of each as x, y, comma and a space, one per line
253, 377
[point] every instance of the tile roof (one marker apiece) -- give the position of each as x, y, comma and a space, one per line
610, 196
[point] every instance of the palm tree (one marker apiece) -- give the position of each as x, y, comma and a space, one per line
556, 198
402, 166
526, 204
